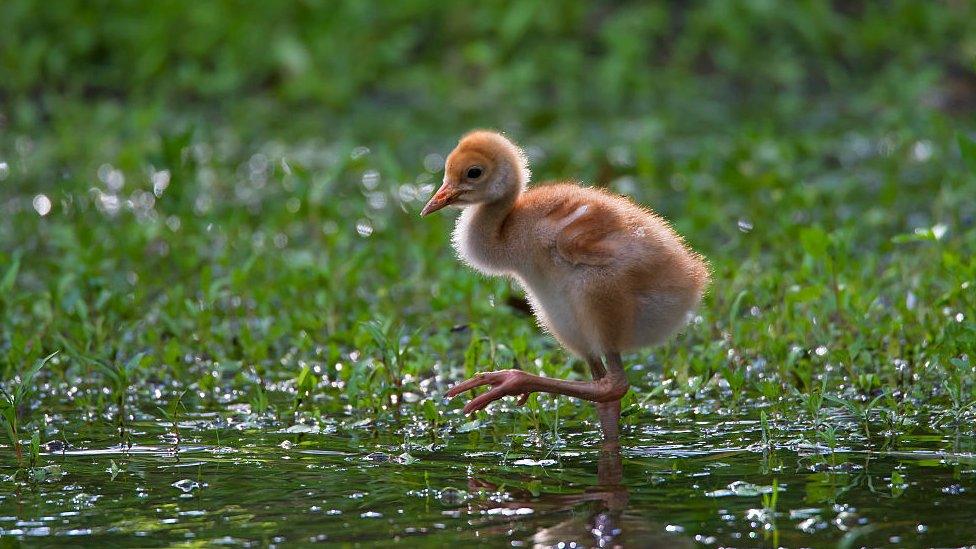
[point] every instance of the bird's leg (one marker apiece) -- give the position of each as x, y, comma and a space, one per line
607, 389
607, 412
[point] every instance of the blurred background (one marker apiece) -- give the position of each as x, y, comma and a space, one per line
521, 64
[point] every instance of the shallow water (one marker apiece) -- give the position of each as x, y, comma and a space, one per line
697, 480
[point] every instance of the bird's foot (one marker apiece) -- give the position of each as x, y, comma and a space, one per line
503, 383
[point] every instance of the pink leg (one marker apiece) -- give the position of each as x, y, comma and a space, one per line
609, 414
609, 385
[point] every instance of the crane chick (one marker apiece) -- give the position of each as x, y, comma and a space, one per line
603, 274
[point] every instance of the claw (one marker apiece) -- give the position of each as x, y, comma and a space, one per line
504, 383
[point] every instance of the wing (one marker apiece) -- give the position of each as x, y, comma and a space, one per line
588, 235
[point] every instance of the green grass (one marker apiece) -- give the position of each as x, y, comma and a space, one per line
841, 254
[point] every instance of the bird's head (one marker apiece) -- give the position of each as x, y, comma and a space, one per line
484, 167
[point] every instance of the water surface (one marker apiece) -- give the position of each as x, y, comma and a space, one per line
705, 480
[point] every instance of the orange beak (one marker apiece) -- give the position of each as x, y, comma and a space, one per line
443, 197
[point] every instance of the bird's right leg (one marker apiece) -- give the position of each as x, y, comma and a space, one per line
607, 389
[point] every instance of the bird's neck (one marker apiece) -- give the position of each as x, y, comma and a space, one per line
481, 237
491, 216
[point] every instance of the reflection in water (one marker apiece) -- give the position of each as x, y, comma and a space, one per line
675, 486
597, 516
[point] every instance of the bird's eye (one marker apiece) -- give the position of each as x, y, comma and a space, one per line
474, 172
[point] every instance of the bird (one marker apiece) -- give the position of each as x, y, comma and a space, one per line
602, 274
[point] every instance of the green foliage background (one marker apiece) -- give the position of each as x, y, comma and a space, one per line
579, 57
814, 151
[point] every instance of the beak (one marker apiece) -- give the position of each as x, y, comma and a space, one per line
443, 197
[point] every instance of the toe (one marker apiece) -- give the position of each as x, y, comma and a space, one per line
481, 401
477, 381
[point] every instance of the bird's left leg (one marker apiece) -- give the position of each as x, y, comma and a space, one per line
607, 412
607, 389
